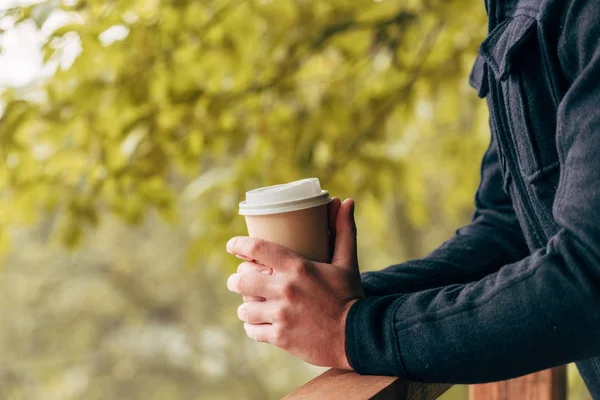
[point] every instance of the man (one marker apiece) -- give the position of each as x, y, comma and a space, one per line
517, 290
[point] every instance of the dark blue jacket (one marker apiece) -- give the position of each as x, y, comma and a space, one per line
517, 290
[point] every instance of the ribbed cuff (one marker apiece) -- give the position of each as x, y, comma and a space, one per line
371, 343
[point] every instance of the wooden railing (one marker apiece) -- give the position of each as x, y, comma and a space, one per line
346, 385
546, 385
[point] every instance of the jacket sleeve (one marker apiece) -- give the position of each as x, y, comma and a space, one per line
536, 313
492, 240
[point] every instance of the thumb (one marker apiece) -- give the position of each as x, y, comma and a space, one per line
345, 236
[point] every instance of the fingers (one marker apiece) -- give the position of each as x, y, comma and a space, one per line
258, 312
262, 251
260, 333
332, 211
254, 267
274, 334
345, 241
252, 284
257, 268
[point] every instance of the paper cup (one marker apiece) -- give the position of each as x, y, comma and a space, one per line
293, 215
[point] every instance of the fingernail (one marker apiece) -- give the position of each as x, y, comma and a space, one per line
266, 271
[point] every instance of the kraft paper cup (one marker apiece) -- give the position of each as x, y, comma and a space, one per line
293, 215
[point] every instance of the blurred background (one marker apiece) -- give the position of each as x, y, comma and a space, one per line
129, 132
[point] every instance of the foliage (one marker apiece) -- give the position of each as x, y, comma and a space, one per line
106, 322
207, 99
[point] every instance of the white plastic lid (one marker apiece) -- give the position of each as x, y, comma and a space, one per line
293, 196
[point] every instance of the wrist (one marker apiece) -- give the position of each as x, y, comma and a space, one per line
343, 362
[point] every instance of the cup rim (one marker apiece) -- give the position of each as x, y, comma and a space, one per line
285, 206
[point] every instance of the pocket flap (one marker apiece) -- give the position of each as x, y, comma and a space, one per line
478, 77
503, 45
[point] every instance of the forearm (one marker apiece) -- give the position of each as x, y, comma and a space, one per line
475, 251
530, 315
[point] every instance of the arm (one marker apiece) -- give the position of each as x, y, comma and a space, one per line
532, 314
492, 240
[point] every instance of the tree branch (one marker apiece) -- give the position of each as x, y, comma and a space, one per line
382, 114
333, 29
296, 51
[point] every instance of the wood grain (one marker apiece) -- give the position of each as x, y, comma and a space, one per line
546, 385
346, 385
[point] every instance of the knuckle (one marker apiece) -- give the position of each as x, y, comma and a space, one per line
299, 267
243, 283
288, 291
256, 246
281, 316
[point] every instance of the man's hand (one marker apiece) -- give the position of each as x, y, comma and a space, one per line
305, 303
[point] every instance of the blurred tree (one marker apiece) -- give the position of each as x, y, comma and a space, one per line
106, 322
206, 99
